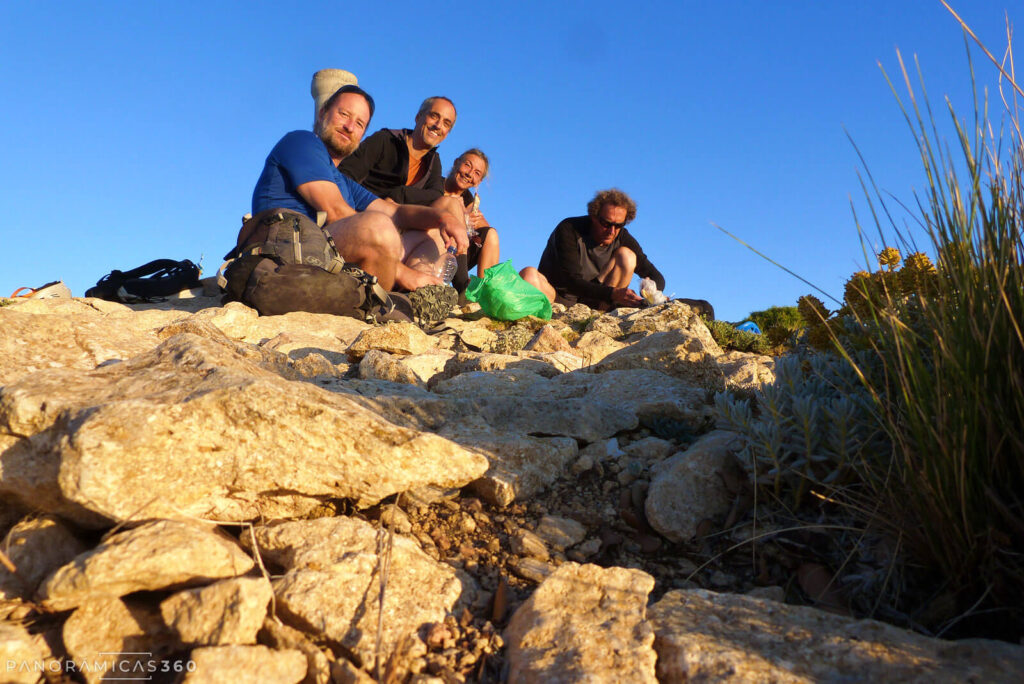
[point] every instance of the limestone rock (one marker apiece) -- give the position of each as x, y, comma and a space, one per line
233, 664
745, 371
474, 334
469, 362
415, 369
674, 315
51, 333
547, 339
394, 338
196, 427
510, 382
299, 345
689, 487
563, 361
156, 555
648, 394
230, 611
593, 346
519, 465
583, 419
650, 450
533, 569
606, 325
704, 636
380, 365
36, 547
583, 623
22, 657
241, 323
316, 367
675, 352
280, 637
561, 533
577, 313
109, 636
526, 543
322, 555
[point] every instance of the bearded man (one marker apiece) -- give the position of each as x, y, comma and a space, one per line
301, 175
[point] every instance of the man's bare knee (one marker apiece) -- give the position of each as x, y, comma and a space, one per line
539, 281
625, 258
452, 205
366, 233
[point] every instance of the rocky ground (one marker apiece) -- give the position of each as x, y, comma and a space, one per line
191, 492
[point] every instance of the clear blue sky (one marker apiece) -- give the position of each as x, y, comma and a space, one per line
131, 131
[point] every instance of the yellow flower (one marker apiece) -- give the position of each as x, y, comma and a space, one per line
919, 261
890, 256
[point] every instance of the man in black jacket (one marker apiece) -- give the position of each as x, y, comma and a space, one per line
591, 259
402, 166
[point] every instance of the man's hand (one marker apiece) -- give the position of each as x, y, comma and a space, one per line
623, 296
409, 278
453, 231
477, 220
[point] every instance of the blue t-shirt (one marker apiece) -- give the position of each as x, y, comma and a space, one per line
300, 157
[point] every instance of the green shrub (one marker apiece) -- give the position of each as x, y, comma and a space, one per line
808, 429
728, 337
778, 317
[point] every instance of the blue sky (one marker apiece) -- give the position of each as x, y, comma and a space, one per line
136, 130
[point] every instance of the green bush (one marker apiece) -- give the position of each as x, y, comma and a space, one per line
778, 317
728, 337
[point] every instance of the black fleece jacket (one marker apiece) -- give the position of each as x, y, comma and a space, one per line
381, 165
562, 260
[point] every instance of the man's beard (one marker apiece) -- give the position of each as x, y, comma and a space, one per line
336, 149
326, 136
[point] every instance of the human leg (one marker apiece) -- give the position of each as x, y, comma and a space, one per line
537, 279
370, 241
618, 272
488, 252
421, 249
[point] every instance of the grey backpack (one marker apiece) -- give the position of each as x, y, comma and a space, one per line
283, 261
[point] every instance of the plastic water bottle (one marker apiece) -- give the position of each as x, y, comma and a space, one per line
447, 265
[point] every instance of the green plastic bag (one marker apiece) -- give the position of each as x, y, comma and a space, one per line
503, 295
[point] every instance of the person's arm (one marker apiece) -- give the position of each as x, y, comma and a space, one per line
407, 194
415, 217
325, 196
571, 268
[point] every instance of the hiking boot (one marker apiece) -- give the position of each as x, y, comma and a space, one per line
432, 303
402, 313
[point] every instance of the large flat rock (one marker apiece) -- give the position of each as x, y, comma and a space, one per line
403, 587
584, 623
205, 428
701, 636
162, 554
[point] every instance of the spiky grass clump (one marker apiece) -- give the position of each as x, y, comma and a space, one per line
951, 397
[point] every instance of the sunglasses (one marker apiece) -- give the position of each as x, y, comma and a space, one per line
610, 224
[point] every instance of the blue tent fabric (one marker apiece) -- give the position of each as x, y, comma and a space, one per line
749, 326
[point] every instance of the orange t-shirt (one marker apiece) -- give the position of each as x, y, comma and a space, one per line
416, 170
